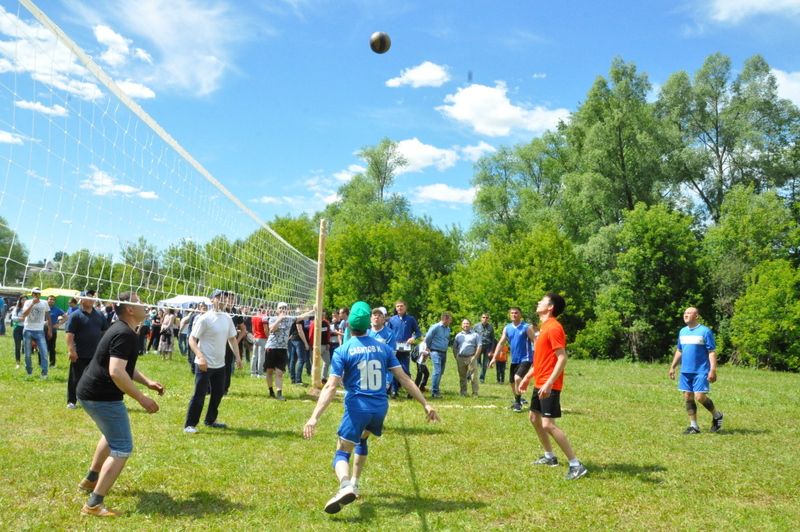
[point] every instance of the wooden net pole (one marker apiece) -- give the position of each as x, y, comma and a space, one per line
316, 363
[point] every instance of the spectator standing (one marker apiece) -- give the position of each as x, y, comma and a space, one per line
406, 333
467, 350
486, 330
259, 342
57, 318
36, 314
17, 327
324, 343
84, 329
438, 339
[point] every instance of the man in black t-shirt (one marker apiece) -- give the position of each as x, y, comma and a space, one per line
85, 327
111, 375
241, 332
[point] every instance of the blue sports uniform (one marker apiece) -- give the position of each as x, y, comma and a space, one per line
694, 345
363, 364
519, 343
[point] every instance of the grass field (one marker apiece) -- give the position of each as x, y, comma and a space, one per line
472, 471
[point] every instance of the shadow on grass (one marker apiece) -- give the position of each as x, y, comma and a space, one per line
743, 431
408, 431
198, 504
644, 473
406, 504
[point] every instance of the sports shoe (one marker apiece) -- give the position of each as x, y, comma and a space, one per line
543, 460
98, 510
87, 485
691, 430
190, 430
716, 423
436, 396
576, 472
523, 401
280, 397
516, 407
217, 425
344, 496
71, 406
356, 490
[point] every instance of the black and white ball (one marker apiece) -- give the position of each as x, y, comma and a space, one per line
380, 42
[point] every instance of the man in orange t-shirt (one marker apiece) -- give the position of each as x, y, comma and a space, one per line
548, 372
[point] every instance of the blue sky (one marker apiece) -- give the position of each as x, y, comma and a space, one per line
275, 98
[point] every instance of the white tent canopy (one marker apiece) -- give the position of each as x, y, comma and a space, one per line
184, 301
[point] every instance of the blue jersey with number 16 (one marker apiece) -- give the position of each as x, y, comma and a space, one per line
362, 363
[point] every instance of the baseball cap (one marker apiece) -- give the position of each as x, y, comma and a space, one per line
36, 290
217, 293
359, 318
383, 310
283, 304
88, 293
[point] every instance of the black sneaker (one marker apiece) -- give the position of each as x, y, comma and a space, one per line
523, 401
716, 423
576, 472
217, 425
552, 462
691, 430
280, 397
516, 407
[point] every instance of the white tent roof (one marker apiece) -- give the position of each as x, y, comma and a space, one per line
184, 301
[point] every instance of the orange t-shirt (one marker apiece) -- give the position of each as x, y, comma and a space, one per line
502, 356
551, 338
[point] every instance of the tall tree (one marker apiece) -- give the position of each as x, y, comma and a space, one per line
726, 131
13, 256
383, 162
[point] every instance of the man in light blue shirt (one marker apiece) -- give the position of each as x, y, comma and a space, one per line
437, 340
697, 353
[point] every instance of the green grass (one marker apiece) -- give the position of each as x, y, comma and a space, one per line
470, 472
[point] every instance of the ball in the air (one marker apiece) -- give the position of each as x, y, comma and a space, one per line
380, 42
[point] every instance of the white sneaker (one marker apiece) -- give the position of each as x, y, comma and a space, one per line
71, 406
356, 491
344, 496
190, 430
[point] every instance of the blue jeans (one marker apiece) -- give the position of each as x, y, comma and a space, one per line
439, 358
112, 419
183, 343
41, 342
213, 378
404, 357
300, 358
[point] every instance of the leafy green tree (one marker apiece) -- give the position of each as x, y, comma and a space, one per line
13, 255
618, 146
726, 131
764, 328
385, 261
301, 232
657, 275
383, 162
752, 228
517, 273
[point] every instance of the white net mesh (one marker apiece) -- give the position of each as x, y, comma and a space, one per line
94, 194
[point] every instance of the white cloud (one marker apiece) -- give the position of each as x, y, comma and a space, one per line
735, 11
100, 183
421, 156
7, 137
473, 153
343, 176
142, 55
426, 74
193, 40
136, 90
489, 111
442, 193
267, 200
539, 75
117, 46
32, 49
55, 110
788, 85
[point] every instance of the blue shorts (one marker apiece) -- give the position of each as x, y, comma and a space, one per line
112, 419
354, 423
694, 382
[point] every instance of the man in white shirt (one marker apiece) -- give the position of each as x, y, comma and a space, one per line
36, 314
210, 332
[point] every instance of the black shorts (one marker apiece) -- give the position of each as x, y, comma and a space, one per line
520, 369
275, 359
549, 406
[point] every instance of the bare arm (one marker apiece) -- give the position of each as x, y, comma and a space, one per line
141, 378
712, 361
123, 381
325, 397
411, 388
73, 351
497, 348
199, 359
675, 360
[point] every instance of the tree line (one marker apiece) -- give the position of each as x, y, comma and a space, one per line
633, 208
